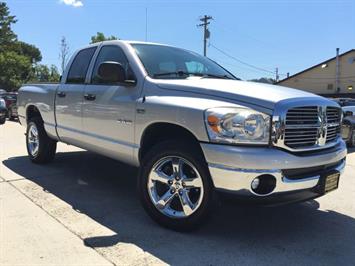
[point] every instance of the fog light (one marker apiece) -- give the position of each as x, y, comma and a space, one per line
263, 184
255, 183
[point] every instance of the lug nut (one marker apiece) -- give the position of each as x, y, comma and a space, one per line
180, 192
170, 182
172, 191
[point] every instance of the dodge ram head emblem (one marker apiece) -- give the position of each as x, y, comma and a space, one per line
322, 136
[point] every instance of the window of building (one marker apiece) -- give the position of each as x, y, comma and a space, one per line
330, 86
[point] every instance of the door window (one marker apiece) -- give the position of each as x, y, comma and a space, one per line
80, 65
111, 53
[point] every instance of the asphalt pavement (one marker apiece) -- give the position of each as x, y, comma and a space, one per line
83, 209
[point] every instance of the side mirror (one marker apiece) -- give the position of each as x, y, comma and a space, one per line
348, 113
112, 72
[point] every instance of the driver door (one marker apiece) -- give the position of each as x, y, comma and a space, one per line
109, 110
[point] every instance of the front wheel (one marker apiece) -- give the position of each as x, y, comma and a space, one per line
41, 149
175, 185
2, 120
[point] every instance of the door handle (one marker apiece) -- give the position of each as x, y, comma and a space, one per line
61, 94
90, 97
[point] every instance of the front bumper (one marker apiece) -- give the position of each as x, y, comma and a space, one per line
234, 168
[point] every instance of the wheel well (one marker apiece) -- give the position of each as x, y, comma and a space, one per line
31, 112
159, 132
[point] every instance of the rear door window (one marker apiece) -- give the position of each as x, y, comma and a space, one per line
80, 65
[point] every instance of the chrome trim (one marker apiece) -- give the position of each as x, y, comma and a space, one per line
33, 140
176, 184
246, 157
239, 180
341, 167
279, 123
261, 171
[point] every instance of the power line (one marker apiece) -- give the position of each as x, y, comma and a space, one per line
242, 62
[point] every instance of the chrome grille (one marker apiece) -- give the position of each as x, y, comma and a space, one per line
295, 137
333, 121
302, 128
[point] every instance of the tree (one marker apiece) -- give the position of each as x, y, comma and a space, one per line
265, 80
15, 70
28, 50
100, 37
7, 36
43, 73
64, 53
16, 57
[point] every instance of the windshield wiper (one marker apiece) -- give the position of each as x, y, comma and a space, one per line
184, 73
215, 76
177, 73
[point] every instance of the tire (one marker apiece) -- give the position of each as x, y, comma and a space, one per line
40, 148
196, 191
9, 115
2, 120
352, 139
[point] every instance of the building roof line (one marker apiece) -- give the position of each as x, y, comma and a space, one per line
315, 66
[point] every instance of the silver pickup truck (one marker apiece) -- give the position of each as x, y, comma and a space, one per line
191, 127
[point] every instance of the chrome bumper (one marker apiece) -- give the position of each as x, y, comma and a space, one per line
234, 168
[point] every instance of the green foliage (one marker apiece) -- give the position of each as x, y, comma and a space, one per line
43, 73
100, 37
18, 60
265, 80
28, 50
7, 36
15, 70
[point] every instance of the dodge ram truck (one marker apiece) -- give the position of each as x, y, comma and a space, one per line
191, 127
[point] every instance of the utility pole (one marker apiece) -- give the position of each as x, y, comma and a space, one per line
337, 71
206, 33
277, 74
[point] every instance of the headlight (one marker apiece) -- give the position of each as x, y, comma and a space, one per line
237, 125
2, 103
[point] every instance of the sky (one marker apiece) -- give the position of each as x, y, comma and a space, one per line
288, 35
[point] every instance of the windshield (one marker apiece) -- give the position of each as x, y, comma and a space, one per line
2, 102
165, 62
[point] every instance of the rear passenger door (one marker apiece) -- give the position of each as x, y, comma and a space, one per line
69, 98
109, 109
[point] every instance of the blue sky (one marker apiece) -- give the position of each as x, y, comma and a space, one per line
290, 35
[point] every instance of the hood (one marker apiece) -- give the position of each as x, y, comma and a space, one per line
260, 94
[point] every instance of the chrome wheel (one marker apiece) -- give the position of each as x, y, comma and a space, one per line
33, 140
175, 187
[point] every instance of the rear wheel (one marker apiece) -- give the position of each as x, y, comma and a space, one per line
41, 149
175, 185
2, 120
